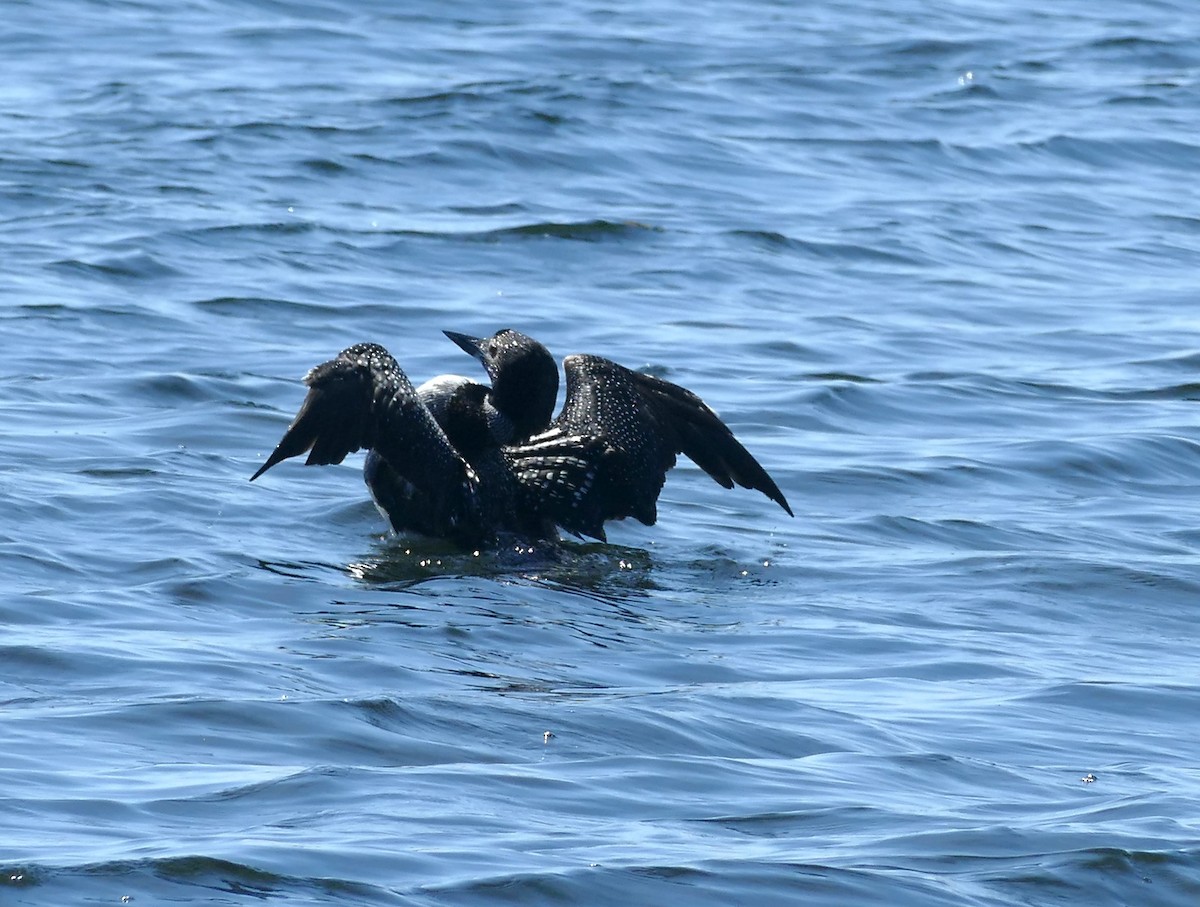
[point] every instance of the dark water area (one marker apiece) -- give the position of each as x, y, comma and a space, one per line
934, 263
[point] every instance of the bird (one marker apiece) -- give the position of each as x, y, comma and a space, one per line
472, 462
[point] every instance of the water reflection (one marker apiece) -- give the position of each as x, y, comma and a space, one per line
604, 572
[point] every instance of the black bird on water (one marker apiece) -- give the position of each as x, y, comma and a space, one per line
467, 461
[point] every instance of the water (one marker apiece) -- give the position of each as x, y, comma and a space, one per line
935, 264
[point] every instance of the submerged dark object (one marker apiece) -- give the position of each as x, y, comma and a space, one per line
466, 461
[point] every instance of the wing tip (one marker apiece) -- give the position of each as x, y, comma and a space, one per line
779, 499
283, 451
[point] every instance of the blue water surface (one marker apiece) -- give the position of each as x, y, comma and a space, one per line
934, 263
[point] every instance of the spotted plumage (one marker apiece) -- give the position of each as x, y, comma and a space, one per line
468, 461
363, 400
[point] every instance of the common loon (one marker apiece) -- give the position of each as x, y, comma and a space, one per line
466, 461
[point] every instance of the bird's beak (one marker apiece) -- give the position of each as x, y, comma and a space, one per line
472, 345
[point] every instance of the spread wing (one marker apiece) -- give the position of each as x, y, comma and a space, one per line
363, 400
607, 454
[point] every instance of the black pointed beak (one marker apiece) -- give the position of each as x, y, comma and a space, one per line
472, 345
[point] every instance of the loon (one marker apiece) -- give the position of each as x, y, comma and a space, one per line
467, 461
